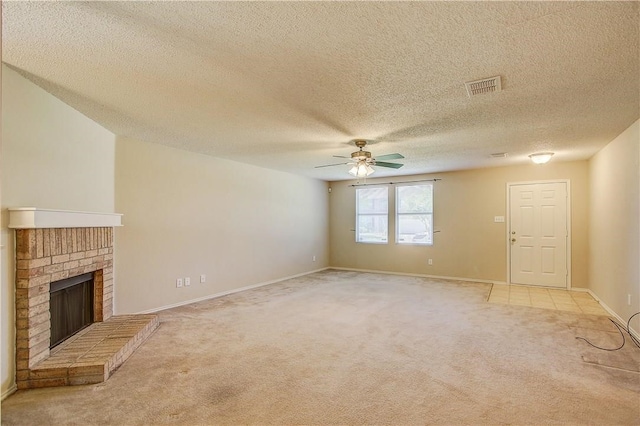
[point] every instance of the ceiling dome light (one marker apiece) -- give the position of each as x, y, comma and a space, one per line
541, 157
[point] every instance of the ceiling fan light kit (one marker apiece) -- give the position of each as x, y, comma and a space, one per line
362, 169
541, 157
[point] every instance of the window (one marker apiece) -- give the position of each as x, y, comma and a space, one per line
414, 214
372, 206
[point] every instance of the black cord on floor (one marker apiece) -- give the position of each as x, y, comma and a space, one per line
620, 327
634, 338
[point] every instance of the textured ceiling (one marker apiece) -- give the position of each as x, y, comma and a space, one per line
287, 85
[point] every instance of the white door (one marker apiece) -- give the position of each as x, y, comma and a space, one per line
538, 234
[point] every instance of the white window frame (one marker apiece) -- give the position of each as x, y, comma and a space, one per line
428, 241
358, 215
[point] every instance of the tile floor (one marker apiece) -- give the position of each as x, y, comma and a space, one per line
546, 298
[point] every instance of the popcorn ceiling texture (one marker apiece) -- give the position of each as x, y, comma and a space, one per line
288, 85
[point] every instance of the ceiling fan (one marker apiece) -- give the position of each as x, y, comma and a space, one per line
362, 161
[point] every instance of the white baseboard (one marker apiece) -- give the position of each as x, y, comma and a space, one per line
262, 284
225, 293
609, 310
8, 392
441, 277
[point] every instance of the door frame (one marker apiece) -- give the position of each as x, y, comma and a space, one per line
508, 227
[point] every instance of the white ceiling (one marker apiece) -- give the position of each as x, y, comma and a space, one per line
287, 85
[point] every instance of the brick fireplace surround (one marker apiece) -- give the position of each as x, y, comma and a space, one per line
48, 249
47, 255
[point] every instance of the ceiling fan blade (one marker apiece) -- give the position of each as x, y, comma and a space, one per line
340, 156
391, 165
329, 165
395, 156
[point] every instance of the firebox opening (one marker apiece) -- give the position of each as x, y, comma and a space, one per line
71, 306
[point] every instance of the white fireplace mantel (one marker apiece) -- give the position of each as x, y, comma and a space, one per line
34, 218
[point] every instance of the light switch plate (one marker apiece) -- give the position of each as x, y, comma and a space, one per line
498, 219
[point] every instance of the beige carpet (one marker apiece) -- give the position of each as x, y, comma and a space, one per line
354, 348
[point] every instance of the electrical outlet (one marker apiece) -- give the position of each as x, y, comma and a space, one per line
179, 282
203, 278
187, 281
430, 261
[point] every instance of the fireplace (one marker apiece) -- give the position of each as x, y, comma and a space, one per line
50, 248
70, 306
44, 256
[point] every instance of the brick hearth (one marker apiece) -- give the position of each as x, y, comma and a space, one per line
91, 355
51, 254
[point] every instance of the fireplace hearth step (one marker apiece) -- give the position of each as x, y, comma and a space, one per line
93, 354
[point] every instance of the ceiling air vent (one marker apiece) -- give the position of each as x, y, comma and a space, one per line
486, 85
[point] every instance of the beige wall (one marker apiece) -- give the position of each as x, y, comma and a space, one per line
469, 245
52, 157
187, 214
614, 229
